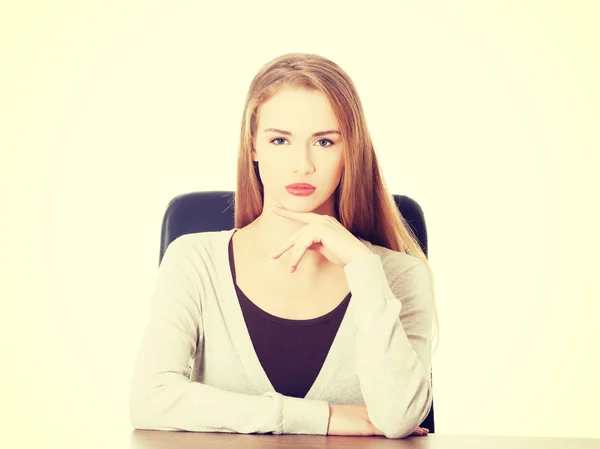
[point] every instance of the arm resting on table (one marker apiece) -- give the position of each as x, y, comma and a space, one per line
161, 395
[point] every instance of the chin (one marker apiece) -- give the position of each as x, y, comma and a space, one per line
304, 204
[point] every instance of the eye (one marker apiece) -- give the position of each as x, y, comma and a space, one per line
320, 140
326, 140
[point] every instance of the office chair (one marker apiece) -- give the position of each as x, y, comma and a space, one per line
193, 212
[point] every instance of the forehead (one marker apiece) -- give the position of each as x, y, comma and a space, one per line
297, 109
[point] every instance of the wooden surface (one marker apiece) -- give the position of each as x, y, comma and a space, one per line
148, 439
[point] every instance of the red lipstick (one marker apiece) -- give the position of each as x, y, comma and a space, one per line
300, 189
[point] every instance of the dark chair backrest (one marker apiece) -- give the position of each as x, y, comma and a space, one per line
193, 212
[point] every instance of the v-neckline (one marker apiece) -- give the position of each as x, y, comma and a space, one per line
243, 344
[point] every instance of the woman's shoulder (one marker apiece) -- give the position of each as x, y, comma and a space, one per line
198, 243
393, 262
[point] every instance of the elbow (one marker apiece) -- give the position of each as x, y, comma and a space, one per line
138, 423
141, 418
139, 411
400, 428
137, 418
398, 432
402, 423
148, 410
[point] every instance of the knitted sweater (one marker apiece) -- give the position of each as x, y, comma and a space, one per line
197, 369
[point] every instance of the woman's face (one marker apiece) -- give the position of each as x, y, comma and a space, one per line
288, 152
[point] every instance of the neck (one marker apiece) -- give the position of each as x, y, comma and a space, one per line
269, 231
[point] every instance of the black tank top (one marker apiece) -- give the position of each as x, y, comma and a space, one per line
291, 352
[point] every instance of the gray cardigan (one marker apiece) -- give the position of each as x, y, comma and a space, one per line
196, 368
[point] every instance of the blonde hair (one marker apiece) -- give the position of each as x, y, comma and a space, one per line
362, 201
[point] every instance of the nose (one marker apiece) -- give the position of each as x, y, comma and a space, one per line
302, 161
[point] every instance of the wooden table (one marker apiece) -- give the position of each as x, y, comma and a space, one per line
150, 439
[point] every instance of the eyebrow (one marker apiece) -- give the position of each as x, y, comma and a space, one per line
288, 133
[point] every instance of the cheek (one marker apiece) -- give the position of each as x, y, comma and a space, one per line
340, 166
270, 171
335, 174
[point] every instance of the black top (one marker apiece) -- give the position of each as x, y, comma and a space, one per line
291, 352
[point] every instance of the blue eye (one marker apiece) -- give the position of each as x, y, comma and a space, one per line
326, 140
320, 140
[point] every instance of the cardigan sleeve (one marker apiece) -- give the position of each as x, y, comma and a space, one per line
393, 342
162, 397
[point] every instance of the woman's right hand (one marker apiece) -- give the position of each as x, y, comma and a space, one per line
353, 419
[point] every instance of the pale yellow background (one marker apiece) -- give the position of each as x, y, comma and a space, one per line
486, 113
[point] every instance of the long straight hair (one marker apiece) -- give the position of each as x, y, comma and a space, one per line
362, 201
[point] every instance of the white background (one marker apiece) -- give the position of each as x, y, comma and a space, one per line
486, 113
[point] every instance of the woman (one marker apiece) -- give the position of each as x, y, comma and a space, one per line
314, 314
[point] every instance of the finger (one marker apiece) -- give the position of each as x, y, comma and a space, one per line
299, 252
283, 247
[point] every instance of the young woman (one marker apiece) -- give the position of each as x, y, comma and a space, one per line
314, 314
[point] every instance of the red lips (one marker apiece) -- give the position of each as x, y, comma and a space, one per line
302, 185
